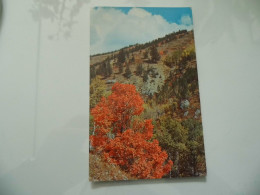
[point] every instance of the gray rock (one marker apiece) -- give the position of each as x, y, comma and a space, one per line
111, 135
197, 112
185, 104
186, 113
90, 147
111, 81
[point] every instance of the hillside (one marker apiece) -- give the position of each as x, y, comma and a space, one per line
157, 73
160, 79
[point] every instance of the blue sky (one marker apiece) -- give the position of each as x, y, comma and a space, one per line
112, 28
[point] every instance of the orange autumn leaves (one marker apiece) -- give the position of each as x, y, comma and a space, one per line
125, 140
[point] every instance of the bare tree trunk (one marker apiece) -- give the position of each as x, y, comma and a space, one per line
177, 163
93, 133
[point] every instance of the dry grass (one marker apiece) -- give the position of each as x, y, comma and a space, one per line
99, 170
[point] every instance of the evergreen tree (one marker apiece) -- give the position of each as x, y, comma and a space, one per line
139, 70
109, 69
145, 56
121, 56
120, 66
127, 72
104, 69
132, 60
155, 56
98, 71
121, 60
145, 76
92, 72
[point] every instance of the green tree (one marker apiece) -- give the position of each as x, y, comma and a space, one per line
121, 56
196, 157
176, 56
139, 70
173, 59
92, 72
183, 88
102, 70
145, 76
121, 60
172, 136
120, 67
155, 56
97, 91
188, 54
145, 56
168, 61
109, 70
132, 60
127, 72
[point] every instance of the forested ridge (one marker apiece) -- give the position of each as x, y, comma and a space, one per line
145, 110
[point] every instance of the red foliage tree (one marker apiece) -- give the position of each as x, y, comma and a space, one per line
130, 146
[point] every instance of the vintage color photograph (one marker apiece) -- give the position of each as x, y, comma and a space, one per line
145, 114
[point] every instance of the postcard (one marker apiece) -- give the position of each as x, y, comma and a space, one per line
145, 114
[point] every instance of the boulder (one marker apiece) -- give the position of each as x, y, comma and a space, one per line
197, 113
184, 104
111, 81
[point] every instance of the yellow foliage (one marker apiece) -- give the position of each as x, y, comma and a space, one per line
97, 91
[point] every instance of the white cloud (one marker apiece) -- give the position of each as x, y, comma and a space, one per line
112, 29
186, 20
141, 13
